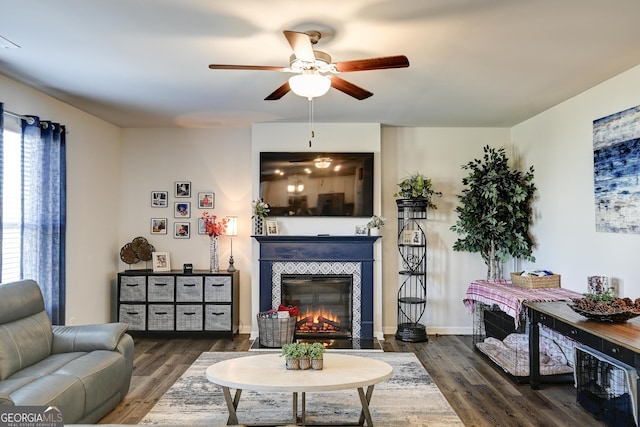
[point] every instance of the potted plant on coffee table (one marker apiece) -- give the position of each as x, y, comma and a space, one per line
305, 358
292, 353
316, 353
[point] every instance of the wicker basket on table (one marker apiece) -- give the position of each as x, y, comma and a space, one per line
536, 282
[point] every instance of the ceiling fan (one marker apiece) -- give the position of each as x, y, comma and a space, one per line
314, 71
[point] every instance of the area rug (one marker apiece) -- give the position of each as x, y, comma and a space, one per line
408, 399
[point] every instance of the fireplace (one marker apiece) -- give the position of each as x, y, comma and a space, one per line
342, 262
325, 304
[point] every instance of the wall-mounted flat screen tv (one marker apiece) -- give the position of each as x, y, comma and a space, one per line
317, 184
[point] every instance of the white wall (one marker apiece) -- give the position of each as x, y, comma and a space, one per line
93, 199
559, 143
214, 160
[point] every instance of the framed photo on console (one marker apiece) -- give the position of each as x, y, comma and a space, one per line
161, 261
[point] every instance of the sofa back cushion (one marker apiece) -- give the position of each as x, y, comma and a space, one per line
25, 329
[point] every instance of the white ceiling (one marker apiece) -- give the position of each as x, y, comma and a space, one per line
144, 63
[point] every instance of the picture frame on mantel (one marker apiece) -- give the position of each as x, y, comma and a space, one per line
362, 230
272, 227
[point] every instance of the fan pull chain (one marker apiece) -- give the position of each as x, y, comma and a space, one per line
311, 132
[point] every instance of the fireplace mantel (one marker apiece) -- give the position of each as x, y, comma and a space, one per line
320, 249
323, 247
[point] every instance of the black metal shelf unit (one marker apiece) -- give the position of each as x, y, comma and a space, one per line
412, 293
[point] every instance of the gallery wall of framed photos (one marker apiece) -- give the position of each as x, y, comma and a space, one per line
182, 222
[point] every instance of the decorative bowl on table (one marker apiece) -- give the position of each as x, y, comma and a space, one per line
614, 310
614, 317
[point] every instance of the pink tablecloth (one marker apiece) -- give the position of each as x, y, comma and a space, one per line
509, 298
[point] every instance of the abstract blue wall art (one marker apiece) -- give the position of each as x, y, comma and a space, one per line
616, 170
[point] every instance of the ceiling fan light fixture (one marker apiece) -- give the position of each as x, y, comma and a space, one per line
310, 84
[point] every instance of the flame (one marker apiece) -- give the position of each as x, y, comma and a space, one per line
316, 314
318, 320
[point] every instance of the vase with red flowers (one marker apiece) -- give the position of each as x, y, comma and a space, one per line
214, 228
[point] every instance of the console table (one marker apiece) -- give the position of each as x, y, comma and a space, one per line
621, 341
175, 302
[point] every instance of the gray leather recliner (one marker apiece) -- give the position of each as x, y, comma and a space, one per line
85, 370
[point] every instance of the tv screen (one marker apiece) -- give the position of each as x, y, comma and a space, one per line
317, 184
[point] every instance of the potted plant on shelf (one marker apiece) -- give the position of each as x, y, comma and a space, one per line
417, 187
292, 353
375, 224
495, 211
415, 193
316, 353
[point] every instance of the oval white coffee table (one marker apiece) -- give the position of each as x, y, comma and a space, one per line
267, 373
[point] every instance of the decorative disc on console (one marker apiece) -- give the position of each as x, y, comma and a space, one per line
128, 255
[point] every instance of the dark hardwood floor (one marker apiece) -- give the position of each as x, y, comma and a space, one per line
480, 393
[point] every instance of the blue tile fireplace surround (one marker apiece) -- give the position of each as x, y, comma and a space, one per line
321, 255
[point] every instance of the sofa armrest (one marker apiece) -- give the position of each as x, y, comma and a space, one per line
5, 400
87, 337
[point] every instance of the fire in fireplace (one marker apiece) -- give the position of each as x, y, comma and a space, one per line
325, 304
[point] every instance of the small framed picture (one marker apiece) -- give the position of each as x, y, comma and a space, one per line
362, 230
272, 227
407, 237
161, 261
206, 200
181, 230
159, 199
182, 210
183, 189
416, 237
202, 226
158, 225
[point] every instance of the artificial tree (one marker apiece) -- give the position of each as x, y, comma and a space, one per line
495, 211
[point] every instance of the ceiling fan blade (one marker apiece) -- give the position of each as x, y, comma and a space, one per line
279, 93
349, 88
301, 45
381, 63
245, 67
